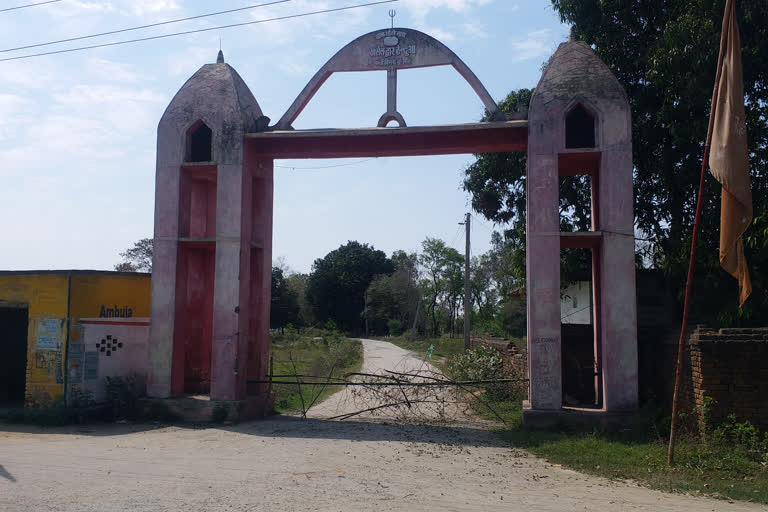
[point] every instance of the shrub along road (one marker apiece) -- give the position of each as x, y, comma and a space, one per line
287, 463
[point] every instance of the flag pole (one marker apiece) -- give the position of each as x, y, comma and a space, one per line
694, 240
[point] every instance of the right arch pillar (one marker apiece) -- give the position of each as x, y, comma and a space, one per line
576, 80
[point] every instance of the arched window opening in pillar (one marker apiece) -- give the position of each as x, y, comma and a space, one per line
579, 128
199, 143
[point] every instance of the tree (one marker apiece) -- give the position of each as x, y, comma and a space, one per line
433, 260
297, 284
392, 299
338, 282
284, 307
664, 54
138, 258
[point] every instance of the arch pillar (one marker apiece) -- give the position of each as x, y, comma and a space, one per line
213, 251
575, 77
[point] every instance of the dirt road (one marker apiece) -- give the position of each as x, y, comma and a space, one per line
286, 463
432, 405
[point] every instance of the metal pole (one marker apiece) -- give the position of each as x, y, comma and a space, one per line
694, 240
467, 301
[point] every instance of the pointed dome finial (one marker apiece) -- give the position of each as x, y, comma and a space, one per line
220, 57
572, 36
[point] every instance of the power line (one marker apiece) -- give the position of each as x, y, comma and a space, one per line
323, 166
141, 26
221, 27
483, 224
456, 236
576, 312
28, 5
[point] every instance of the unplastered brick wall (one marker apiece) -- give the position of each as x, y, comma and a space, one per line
731, 367
515, 361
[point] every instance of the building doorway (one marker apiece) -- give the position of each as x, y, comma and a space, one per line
13, 354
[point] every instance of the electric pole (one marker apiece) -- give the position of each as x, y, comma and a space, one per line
467, 301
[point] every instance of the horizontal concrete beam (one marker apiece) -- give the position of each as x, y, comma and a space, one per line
489, 137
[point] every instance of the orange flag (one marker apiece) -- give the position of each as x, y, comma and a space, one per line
729, 158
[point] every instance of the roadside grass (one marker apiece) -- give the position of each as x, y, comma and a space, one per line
329, 356
444, 346
702, 466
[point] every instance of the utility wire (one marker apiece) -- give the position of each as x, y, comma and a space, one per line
221, 27
324, 166
28, 5
456, 236
142, 26
575, 312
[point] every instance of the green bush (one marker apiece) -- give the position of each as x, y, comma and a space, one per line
743, 435
123, 394
59, 413
485, 363
220, 414
481, 363
394, 327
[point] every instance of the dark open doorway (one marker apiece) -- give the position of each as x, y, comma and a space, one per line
13, 354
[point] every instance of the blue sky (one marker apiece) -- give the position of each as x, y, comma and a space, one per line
77, 130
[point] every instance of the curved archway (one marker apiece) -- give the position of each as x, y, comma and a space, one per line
389, 50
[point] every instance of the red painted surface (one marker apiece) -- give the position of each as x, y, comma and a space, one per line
197, 202
578, 163
381, 142
580, 240
596, 322
100, 322
257, 236
191, 370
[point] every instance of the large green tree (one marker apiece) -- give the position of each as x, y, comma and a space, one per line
664, 53
284, 307
392, 299
337, 284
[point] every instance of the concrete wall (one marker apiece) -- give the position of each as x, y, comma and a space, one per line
102, 305
109, 348
57, 301
46, 297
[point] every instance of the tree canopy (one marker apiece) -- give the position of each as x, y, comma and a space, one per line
137, 258
338, 282
664, 53
284, 306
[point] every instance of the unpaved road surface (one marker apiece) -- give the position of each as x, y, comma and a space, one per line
424, 405
293, 464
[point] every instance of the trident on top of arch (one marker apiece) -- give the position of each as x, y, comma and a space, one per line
389, 50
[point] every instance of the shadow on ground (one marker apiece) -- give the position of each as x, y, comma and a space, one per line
294, 427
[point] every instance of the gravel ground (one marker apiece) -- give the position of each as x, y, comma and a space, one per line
288, 463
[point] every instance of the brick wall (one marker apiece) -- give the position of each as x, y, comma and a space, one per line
730, 366
515, 361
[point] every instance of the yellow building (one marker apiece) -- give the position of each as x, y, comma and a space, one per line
40, 318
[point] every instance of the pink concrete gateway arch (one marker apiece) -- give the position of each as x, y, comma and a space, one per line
209, 330
389, 50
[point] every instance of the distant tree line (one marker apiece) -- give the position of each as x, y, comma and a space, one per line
359, 289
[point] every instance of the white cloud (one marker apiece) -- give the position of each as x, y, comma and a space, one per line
419, 9
111, 71
13, 110
475, 29
538, 43
28, 74
283, 32
438, 33
123, 111
150, 7
188, 61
